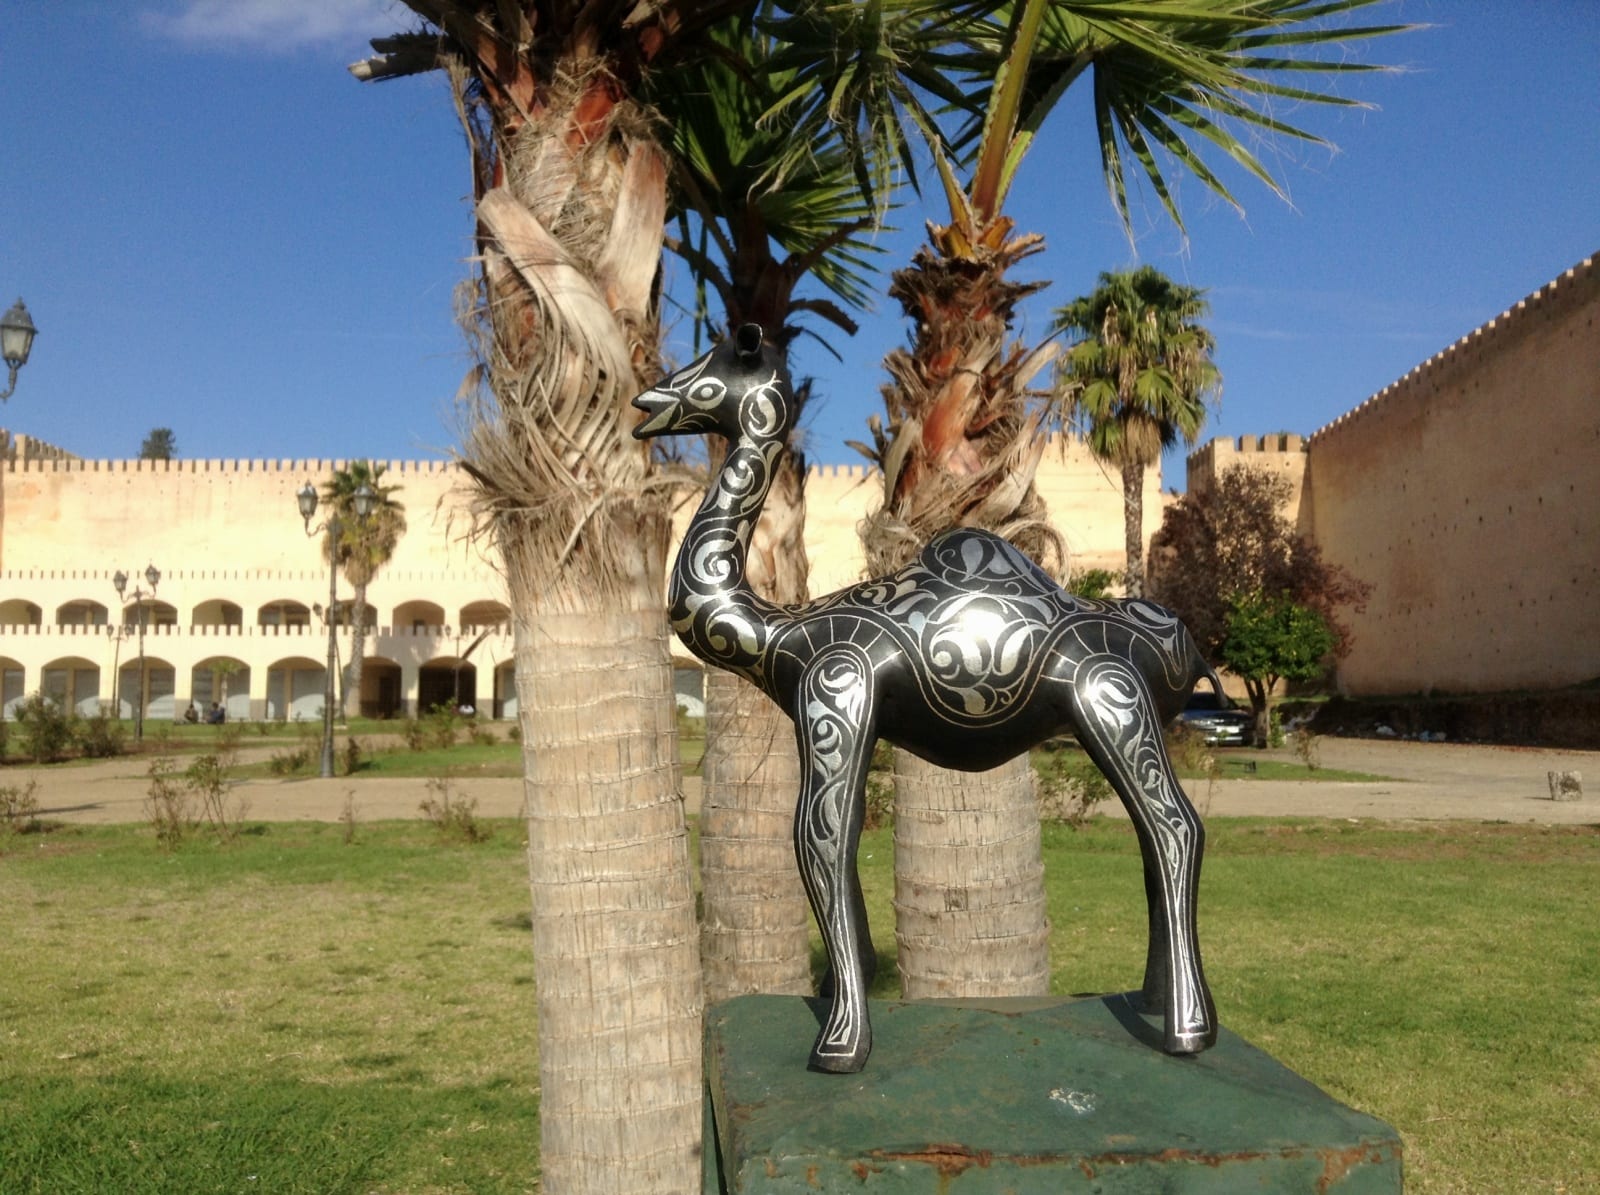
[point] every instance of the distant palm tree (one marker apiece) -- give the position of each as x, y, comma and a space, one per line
364, 546
1135, 380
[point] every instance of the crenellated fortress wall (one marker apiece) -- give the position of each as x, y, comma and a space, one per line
1468, 494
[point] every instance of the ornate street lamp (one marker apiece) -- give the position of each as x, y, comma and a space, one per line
16, 341
152, 576
364, 499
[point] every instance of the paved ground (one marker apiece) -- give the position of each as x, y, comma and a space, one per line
1428, 781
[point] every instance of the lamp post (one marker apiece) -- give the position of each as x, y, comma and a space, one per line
153, 576
363, 500
16, 341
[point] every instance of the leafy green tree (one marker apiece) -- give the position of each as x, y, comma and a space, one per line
159, 445
1092, 583
1271, 637
1135, 380
364, 546
1233, 537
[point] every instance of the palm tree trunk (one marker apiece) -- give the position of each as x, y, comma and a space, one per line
754, 932
567, 329
969, 877
358, 651
969, 881
614, 936
1133, 527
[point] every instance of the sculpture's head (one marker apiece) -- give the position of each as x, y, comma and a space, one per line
740, 389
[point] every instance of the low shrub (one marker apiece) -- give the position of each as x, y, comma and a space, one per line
19, 807
441, 727
1307, 746
456, 821
1070, 786
290, 761
169, 808
45, 728
102, 736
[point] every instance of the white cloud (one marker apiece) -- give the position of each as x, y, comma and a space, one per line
276, 24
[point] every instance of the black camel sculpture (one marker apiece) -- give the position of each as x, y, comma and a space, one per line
967, 656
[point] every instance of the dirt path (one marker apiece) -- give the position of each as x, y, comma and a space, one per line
1430, 781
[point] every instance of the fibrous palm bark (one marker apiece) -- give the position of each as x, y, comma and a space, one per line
569, 242
961, 450
570, 183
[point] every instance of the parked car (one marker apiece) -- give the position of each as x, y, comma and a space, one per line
1221, 724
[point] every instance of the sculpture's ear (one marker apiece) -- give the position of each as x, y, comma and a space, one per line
747, 342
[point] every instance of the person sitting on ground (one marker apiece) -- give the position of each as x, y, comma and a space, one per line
217, 715
191, 714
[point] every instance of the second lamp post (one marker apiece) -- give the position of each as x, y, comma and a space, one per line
363, 500
120, 580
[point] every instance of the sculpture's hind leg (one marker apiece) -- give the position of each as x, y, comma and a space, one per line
833, 720
1118, 726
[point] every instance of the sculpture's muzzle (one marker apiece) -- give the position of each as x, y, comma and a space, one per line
657, 407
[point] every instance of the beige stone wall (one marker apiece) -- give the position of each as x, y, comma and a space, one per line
213, 515
226, 533
1468, 494
229, 532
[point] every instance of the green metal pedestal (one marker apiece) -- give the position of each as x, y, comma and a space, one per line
1020, 1096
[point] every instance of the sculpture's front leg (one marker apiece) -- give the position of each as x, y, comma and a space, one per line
834, 725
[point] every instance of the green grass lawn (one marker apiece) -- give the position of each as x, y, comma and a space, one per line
293, 1012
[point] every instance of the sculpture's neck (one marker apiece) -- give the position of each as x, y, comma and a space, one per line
714, 610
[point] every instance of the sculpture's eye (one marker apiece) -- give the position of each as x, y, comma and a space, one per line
707, 391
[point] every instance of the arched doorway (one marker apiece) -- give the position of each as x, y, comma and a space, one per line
295, 689
74, 682
482, 615
13, 685
448, 682
224, 680
82, 613
218, 612
382, 691
157, 680
19, 613
283, 613
414, 616
505, 689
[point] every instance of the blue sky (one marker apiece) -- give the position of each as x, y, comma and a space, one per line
218, 230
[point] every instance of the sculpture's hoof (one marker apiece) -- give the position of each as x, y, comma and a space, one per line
835, 1061
1192, 1041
